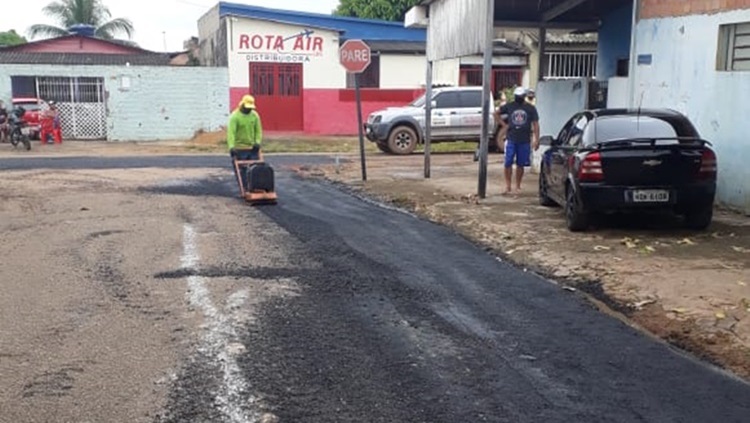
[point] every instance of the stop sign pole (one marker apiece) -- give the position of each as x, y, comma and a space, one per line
355, 57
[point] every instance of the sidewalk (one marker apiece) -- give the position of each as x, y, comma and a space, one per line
689, 288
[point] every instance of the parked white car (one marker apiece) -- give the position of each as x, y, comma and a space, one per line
456, 116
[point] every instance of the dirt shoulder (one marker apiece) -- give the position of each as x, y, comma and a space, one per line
207, 143
691, 289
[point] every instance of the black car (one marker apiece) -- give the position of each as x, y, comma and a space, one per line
628, 160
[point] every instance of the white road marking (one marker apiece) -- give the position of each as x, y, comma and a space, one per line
220, 336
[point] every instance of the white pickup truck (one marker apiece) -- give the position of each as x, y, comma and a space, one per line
456, 116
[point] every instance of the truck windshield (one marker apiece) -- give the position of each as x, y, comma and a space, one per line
419, 102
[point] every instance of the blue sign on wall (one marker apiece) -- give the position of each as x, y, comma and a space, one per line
644, 59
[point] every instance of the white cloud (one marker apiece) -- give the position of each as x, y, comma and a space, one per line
155, 20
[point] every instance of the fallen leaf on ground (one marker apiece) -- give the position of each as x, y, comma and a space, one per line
648, 249
630, 242
721, 315
601, 248
679, 310
745, 303
741, 283
686, 241
741, 249
640, 304
509, 252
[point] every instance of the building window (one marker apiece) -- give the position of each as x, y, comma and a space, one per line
734, 47
503, 78
567, 65
370, 78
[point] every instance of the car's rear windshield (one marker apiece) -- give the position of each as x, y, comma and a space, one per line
611, 128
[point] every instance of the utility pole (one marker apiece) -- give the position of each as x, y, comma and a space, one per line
486, 96
428, 122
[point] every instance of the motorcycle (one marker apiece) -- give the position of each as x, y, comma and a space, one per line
18, 131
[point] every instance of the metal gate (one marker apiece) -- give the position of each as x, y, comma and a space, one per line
80, 102
502, 77
278, 90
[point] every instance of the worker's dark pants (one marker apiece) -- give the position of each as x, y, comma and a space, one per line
253, 154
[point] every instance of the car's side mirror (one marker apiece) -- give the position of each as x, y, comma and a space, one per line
434, 104
547, 141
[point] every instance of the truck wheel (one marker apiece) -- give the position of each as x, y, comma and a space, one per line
383, 147
403, 141
699, 219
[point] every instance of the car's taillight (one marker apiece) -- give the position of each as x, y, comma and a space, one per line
590, 169
708, 164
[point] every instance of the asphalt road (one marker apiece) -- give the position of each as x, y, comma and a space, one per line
328, 308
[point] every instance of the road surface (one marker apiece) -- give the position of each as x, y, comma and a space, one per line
142, 290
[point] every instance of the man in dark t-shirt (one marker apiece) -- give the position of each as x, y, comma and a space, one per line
522, 127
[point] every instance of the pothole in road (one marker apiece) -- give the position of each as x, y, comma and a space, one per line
253, 272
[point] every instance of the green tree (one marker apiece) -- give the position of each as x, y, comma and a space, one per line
11, 38
68, 13
390, 10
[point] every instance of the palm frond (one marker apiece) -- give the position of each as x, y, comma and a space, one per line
46, 31
60, 12
114, 27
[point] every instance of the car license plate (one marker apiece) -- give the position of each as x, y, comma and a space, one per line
650, 196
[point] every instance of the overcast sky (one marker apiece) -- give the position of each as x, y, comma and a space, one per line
151, 18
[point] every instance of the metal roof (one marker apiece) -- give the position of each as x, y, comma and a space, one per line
123, 44
571, 14
350, 28
84, 59
410, 47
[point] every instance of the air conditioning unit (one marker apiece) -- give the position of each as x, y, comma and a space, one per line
416, 17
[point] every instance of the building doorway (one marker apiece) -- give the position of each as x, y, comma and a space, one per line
277, 88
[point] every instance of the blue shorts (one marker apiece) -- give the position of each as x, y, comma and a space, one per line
518, 152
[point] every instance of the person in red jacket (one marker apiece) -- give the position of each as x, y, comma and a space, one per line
51, 126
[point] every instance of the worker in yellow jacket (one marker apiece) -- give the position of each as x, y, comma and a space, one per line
245, 133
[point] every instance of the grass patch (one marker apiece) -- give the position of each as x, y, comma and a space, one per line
451, 147
344, 145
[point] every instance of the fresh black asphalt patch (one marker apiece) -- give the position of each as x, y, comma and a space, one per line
414, 323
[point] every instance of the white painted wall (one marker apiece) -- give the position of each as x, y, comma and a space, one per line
617, 95
447, 71
157, 103
557, 102
320, 72
402, 71
683, 76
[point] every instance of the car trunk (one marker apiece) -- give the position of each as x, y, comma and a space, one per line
651, 166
